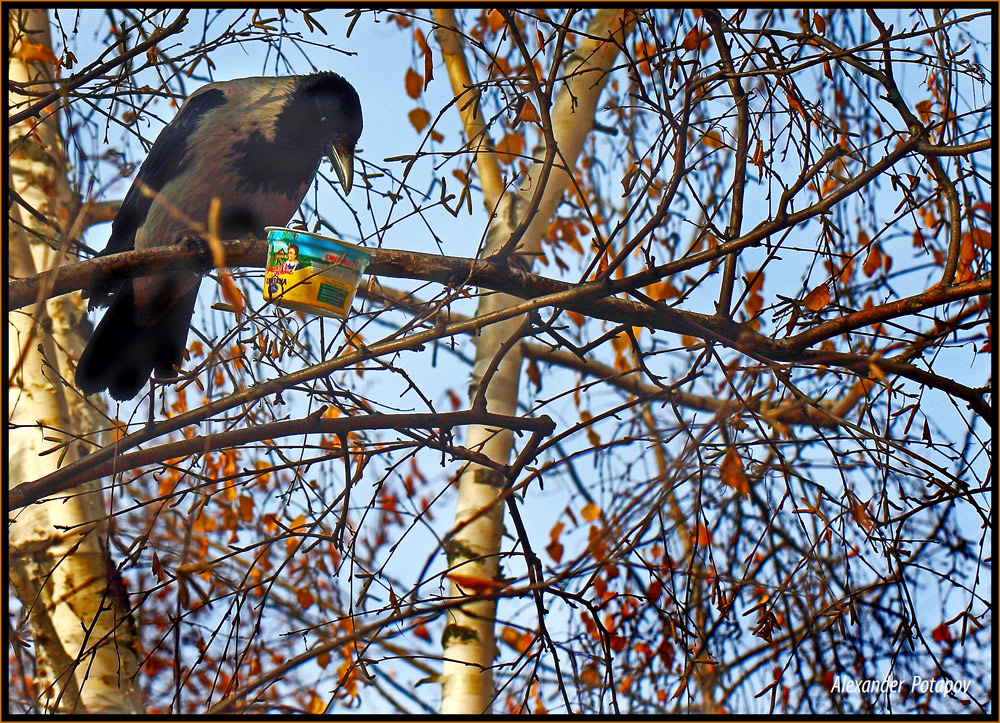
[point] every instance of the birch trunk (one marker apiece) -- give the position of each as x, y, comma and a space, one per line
469, 641
84, 638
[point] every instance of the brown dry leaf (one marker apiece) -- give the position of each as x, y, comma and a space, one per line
590, 677
476, 585
510, 147
827, 71
495, 20
819, 22
662, 290
305, 597
270, 522
732, 474
556, 531
924, 109
414, 83
204, 523
419, 118
510, 636
794, 104
981, 238
232, 294
590, 512
859, 511
246, 506
758, 159
425, 50
316, 706
644, 50
817, 298
713, 139
753, 304
692, 40
527, 112
941, 634
702, 535
555, 550
535, 375
873, 262
35, 52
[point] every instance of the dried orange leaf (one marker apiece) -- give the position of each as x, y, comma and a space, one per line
794, 104
924, 109
732, 473
644, 50
204, 523
702, 535
817, 298
692, 40
758, 159
425, 50
535, 375
873, 262
475, 585
232, 294
712, 139
414, 83
859, 511
35, 52
419, 118
981, 238
555, 550
941, 633
510, 147
590, 512
662, 290
527, 112
819, 22
494, 20
316, 706
304, 597
246, 506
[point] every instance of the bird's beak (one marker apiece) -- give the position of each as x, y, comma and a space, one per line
343, 164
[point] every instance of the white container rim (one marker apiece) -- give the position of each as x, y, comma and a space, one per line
321, 237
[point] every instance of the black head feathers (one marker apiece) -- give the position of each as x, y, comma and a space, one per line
335, 104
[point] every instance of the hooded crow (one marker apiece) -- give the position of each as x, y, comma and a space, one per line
255, 144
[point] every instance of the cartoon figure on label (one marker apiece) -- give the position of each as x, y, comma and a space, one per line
292, 262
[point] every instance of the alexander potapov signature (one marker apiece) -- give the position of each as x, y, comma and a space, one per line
941, 686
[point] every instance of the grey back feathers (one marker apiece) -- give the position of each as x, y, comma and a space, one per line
253, 143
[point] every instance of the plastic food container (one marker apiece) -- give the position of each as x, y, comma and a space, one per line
312, 273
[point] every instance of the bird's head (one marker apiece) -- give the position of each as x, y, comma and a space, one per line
333, 113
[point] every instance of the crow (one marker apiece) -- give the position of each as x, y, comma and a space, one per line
255, 144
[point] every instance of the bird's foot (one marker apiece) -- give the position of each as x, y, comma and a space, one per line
196, 244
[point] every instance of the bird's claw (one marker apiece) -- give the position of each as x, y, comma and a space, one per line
196, 244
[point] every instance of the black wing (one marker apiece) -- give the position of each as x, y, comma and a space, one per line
163, 163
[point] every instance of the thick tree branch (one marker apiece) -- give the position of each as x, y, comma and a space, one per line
30, 492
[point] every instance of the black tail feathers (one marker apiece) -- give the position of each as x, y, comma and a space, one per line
122, 354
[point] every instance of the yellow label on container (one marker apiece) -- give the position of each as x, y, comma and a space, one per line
312, 273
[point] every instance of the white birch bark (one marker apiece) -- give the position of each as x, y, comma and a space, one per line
84, 639
469, 640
